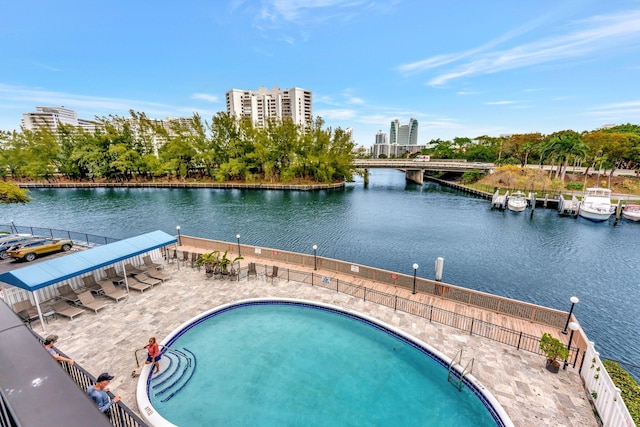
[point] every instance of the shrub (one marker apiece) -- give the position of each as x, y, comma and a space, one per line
629, 388
574, 186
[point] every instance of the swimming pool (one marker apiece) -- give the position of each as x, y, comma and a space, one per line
277, 362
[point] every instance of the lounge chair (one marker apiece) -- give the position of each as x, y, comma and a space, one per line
26, 310
155, 274
185, 257
92, 285
251, 271
64, 309
24, 316
150, 264
67, 293
114, 276
137, 285
274, 273
88, 301
142, 277
110, 291
132, 270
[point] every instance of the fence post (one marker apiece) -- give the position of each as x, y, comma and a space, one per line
519, 340
471, 330
395, 304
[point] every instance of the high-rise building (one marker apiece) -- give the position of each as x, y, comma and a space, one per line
263, 104
404, 134
381, 138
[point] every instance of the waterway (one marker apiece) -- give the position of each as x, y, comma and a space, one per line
391, 224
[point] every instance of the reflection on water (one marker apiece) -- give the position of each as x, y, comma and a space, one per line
392, 224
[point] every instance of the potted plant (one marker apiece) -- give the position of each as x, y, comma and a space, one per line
209, 260
224, 262
555, 351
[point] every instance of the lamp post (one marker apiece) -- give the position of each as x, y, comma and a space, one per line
415, 271
574, 301
315, 259
574, 327
178, 228
238, 237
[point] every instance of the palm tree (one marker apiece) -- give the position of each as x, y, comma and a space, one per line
564, 145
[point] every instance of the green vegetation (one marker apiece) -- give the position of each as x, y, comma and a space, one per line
553, 348
577, 186
610, 149
629, 388
138, 148
11, 193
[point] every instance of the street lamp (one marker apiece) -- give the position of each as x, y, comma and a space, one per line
415, 271
178, 228
238, 237
574, 301
574, 327
315, 259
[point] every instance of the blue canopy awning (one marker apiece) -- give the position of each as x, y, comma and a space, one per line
47, 273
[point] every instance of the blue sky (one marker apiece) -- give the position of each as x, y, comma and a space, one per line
461, 68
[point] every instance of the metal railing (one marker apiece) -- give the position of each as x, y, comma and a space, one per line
514, 338
76, 237
119, 414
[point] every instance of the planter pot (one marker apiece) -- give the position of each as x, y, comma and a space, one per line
553, 367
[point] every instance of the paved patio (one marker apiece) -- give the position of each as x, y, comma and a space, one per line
106, 342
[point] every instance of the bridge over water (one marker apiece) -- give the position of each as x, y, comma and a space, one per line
414, 169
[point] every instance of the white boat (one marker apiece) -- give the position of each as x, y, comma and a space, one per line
596, 205
517, 202
631, 212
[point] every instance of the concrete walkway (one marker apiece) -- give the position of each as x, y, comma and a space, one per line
106, 342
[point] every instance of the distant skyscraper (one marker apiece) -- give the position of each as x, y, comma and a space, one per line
381, 138
404, 134
263, 104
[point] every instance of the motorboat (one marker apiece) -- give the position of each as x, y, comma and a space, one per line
517, 202
596, 205
631, 212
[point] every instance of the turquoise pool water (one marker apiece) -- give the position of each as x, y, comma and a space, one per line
292, 364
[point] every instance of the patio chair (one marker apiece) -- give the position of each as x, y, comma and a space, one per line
88, 301
185, 257
251, 271
150, 264
92, 285
155, 274
110, 291
194, 258
27, 309
142, 277
64, 309
24, 316
67, 293
274, 273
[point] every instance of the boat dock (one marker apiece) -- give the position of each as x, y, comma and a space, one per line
568, 207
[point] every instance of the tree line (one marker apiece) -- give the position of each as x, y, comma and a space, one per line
136, 147
613, 148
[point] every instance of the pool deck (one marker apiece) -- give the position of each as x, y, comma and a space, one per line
106, 342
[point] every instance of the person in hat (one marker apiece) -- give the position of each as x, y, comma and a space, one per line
98, 392
49, 342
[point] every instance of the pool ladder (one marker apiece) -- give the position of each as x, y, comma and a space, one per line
452, 377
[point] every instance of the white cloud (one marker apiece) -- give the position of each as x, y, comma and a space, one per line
587, 37
88, 107
501, 102
205, 97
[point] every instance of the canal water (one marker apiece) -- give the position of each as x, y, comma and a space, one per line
392, 224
